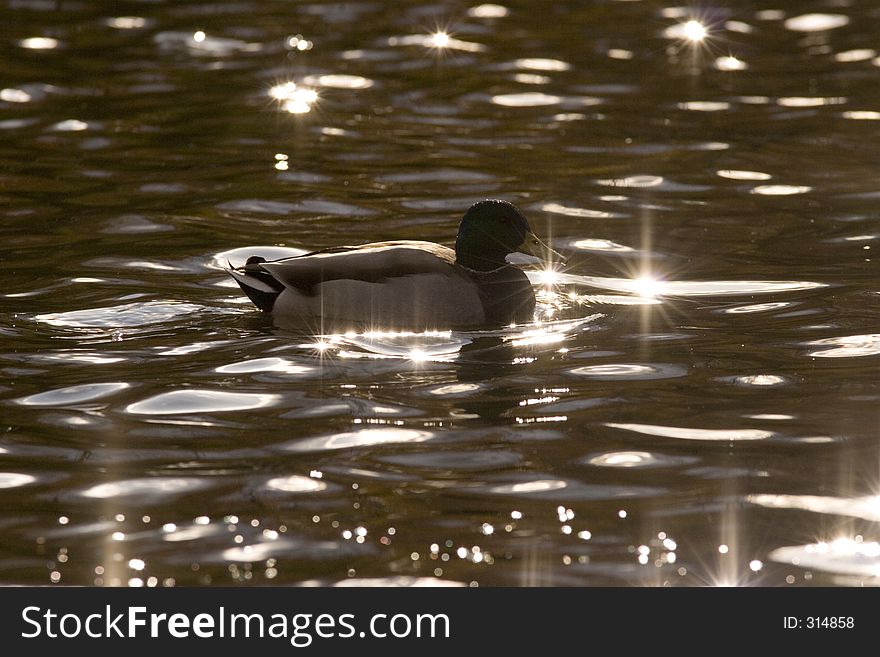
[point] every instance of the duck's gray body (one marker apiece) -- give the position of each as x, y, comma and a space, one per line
397, 285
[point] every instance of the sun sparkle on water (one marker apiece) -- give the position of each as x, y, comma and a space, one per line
648, 287
282, 91
293, 98
694, 31
548, 277
439, 39
418, 356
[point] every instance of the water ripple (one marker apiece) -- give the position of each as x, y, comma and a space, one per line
551, 488
488, 10
407, 581
199, 43
294, 548
455, 389
146, 489
39, 43
192, 533
360, 438
637, 460
70, 125
849, 346
15, 479
629, 371
688, 433
271, 364
127, 315
861, 115
780, 190
184, 402
601, 245
735, 174
339, 81
816, 22
688, 288
867, 507
757, 380
12, 95
351, 406
133, 224
437, 41
436, 175
308, 206
855, 55
705, 106
756, 307
570, 211
73, 394
540, 99
843, 556
295, 484
810, 101
526, 99
457, 461
730, 63
128, 22
542, 64
437, 346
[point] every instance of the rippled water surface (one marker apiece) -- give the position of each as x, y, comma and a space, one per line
696, 402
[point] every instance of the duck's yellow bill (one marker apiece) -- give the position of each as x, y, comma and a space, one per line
534, 246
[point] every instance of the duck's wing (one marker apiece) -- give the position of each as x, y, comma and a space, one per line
369, 262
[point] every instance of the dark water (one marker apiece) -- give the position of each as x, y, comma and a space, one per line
718, 425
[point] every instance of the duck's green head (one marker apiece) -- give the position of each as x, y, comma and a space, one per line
489, 231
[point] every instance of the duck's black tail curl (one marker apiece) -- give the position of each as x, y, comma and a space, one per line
259, 285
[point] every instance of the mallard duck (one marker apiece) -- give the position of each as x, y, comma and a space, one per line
411, 285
